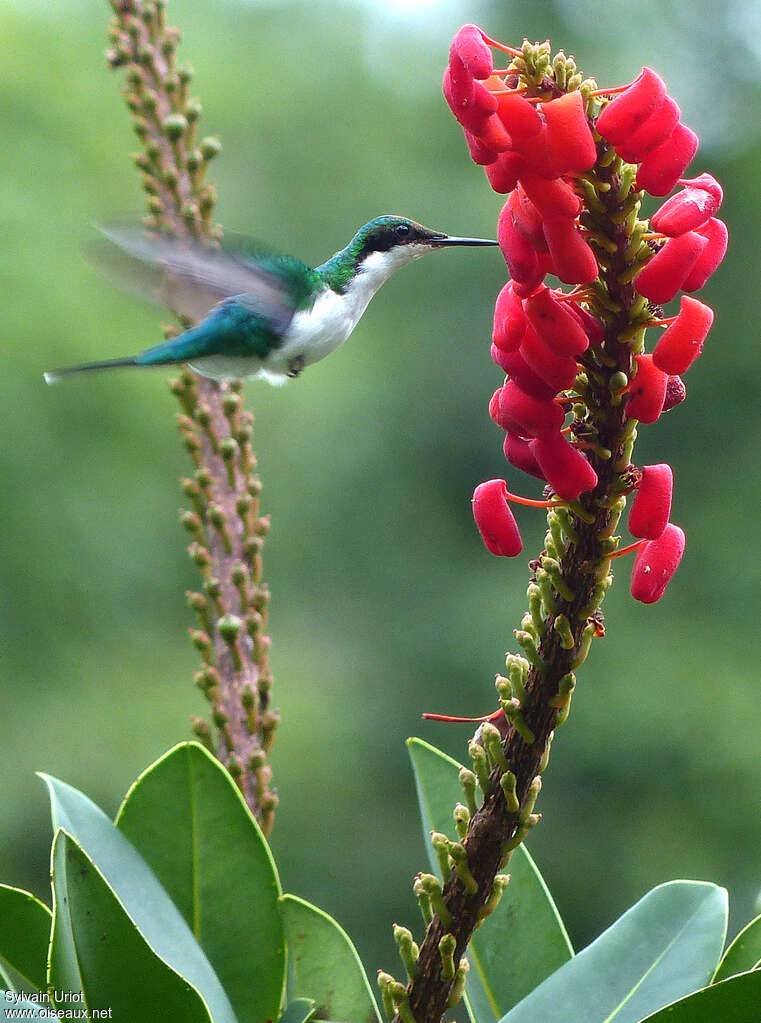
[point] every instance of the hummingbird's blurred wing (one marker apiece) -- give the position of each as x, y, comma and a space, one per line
191, 279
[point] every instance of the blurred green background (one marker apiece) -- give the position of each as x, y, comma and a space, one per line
385, 602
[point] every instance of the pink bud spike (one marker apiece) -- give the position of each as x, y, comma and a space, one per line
717, 238
689, 209
652, 503
555, 324
661, 278
682, 342
646, 391
470, 47
494, 519
564, 467
662, 167
526, 415
652, 133
655, 564
573, 259
621, 118
569, 139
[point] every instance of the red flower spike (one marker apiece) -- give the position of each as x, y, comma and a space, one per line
470, 47
494, 519
590, 324
682, 342
558, 371
523, 414
716, 235
527, 219
663, 166
520, 117
552, 198
521, 257
621, 118
652, 133
668, 270
655, 564
516, 367
503, 172
517, 451
479, 153
652, 503
563, 466
573, 260
689, 209
569, 139
676, 392
646, 391
556, 326
509, 320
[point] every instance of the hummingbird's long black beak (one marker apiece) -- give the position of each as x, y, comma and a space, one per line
446, 239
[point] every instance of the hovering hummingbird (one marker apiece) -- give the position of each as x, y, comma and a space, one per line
256, 313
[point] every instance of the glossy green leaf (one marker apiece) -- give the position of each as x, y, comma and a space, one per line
524, 940
11, 1002
24, 939
743, 954
114, 967
737, 1000
139, 893
188, 821
298, 1011
324, 965
661, 949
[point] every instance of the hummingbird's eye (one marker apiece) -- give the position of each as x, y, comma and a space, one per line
402, 230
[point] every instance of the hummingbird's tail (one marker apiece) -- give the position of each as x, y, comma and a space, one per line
53, 376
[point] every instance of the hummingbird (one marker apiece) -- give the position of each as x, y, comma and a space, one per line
256, 313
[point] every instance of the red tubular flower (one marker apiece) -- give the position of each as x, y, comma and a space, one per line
552, 198
470, 47
676, 392
655, 564
652, 503
647, 391
652, 133
689, 209
589, 323
669, 269
662, 167
520, 117
502, 172
494, 519
517, 451
556, 326
536, 154
682, 342
717, 238
621, 118
479, 153
558, 371
473, 106
564, 467
518, 369
509, 320
521, 257
569, 139
572, 258
527, 219
526, 415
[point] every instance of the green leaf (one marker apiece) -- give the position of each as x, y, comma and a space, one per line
139, 893
324, 965
97, 950
24, 939
298, 1011
11, 1002
743, 954
524, 940
187, 819
737, 1000
661, 949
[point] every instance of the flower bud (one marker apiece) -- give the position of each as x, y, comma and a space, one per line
662, 167
502, 173
652, 133
661, 278
518, 369
552, 198
689, 209
573, 260
569, 139
509, 320
558, 371
526, 415
646, 391
494, 520
621, 118
564, 467
479, 153
682, 341
717, 237
655, 564
517, 451
676, 392
652, 502
554, 323
470, 47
